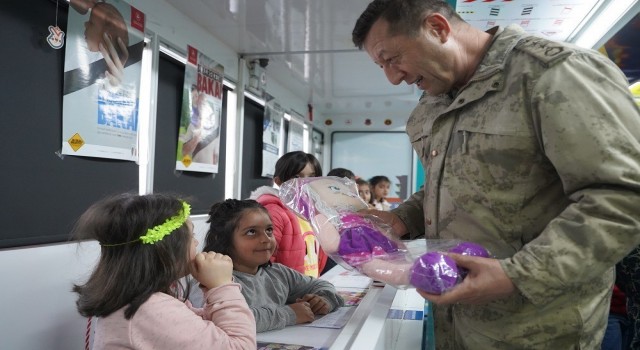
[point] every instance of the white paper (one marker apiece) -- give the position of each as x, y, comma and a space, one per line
336, 319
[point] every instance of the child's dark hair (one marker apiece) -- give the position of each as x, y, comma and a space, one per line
129, 272
374, 181
342, 172
292, 163
378, 179
361, 181
224, 217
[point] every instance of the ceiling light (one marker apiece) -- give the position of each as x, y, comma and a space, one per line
606, 20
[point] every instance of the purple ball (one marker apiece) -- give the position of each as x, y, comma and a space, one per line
434, 273
471, 249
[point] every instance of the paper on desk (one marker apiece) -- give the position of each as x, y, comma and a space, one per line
352, 296
350, 279
336, 319
282, 346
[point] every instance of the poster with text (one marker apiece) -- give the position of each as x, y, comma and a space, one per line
296, 134
102, 67
271, 132
200, 120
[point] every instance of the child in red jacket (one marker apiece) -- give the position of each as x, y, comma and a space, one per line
297, 245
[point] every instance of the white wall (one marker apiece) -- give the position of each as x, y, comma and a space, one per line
37, 307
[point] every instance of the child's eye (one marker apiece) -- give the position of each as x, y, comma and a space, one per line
251, 232
269, 231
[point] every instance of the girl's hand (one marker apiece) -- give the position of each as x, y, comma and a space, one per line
212, 269
303, 312
318, 304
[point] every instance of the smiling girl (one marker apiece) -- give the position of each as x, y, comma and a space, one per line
278, 295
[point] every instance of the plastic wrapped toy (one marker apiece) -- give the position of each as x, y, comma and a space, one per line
365, 242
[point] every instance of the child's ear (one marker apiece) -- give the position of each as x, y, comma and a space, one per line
277, 180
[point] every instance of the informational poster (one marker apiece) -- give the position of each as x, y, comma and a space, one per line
317, 144
554, 20
103, 62
296, 134
271, 131
199, 134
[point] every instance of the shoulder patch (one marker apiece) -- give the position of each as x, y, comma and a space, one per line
547, 51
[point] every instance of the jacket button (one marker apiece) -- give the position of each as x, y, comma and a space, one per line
428, 221
434, 153
461, 101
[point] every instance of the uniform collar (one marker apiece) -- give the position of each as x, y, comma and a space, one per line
503, 42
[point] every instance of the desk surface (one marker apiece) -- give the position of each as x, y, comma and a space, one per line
369, 326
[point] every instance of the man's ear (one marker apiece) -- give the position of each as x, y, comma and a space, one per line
437, 26
277, 181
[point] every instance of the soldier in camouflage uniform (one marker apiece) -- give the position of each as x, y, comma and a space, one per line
532, 149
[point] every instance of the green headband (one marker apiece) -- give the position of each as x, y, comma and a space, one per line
157, 233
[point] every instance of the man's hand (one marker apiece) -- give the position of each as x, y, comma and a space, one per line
485, 282
389, 218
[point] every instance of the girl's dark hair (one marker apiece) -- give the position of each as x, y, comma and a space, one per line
361, 182
128, 274
378, 179
224, 217
373, 182
342, 172
404, 16
292, 163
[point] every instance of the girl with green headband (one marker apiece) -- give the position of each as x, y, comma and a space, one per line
147, 246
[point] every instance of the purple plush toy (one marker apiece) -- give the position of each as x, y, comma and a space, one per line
434, 273
330, 205
360, 241
471, 249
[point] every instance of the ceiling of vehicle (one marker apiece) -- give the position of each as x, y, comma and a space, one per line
308, 44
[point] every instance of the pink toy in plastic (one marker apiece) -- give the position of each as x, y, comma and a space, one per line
365, 242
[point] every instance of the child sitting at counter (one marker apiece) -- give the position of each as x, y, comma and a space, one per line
277, 295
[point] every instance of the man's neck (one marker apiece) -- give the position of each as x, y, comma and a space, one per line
475, 44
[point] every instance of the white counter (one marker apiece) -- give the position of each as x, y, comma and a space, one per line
371, 324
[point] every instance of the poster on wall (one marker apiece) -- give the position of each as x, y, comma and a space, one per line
271, 132
200, 120
554, 20
296, 134
102, 67
317, 144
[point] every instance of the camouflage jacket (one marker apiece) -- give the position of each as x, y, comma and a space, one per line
538, 159
628, 279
